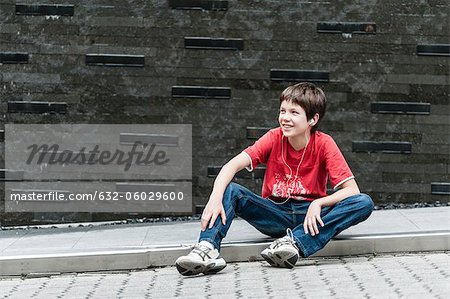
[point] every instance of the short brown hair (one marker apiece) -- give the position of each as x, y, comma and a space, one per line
308, 96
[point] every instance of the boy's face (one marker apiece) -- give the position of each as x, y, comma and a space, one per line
292, 120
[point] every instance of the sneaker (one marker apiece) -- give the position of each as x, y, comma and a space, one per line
202, 259
282, 252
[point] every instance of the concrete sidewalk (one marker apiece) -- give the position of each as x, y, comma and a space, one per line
137, 246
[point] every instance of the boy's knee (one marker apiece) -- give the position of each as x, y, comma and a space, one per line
232, 187
233, 190
366, 203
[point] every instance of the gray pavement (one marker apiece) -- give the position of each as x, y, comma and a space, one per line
110, 247
419, 275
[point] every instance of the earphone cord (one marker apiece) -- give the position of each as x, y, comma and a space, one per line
290, 171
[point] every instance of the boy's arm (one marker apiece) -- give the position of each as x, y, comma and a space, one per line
214, 207
347, 189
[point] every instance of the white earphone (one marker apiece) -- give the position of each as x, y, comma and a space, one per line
311, 122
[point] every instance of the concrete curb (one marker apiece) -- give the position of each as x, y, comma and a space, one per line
141, 258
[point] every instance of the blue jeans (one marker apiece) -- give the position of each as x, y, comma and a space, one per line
273, 219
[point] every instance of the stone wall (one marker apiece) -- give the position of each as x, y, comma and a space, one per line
221, 65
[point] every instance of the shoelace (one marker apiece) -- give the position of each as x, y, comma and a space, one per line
288, 239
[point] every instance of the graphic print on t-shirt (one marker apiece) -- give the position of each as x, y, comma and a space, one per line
285, 186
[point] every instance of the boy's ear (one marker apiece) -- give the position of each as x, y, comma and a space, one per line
314, 120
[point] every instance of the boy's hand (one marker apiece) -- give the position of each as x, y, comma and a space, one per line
312, 217
212, 210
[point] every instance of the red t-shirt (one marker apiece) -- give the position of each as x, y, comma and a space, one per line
322, 160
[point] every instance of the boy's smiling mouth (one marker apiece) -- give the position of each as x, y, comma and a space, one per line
285, 126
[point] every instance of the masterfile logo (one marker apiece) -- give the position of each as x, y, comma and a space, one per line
98, 168
51, 154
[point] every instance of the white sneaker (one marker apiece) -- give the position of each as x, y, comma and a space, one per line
202, 259
282, 252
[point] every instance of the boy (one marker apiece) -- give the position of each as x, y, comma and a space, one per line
299, 161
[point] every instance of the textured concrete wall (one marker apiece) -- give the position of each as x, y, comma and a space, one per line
359, 52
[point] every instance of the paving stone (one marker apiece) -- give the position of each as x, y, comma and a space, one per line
373, 277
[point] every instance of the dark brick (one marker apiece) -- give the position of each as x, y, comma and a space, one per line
199, 209
400, 107
433, 50
36, 107
45, 9
292, 75
11, 175
115, 60
389, 147
346, 27
213, 171
13, 57
257, 173
157, 139
201, 92
440, 188
214, 43
199, 4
